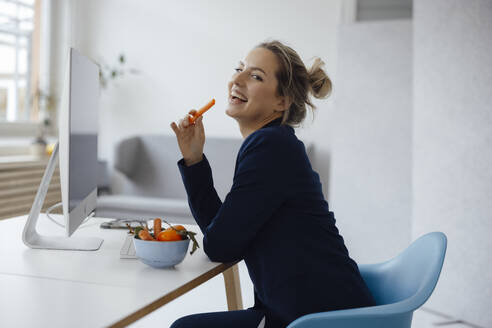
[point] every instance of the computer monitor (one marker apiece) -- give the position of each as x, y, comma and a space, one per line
78, 127
77, 148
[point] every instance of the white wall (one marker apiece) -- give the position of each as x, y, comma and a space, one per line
370, 139
186, 51
452, 149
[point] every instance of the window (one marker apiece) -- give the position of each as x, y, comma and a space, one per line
18, 23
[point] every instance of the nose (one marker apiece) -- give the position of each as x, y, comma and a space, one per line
238, 78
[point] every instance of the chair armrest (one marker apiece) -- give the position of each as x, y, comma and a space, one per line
368, 317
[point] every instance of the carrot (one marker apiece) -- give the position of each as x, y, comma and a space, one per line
191, 119
145, 235
157, 226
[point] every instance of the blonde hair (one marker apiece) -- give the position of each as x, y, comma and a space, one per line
296, 82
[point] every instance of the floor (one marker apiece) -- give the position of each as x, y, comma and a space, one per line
210, 297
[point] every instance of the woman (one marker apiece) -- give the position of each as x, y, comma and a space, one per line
275, 217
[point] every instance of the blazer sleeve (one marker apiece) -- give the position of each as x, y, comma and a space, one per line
258, 190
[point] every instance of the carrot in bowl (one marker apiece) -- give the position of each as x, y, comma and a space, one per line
157, 227
201, 111
145, 235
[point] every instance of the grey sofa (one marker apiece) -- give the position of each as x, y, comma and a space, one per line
146, 182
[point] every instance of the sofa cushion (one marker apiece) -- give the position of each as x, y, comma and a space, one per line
135, 207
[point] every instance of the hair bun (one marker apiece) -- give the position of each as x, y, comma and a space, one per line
320, 82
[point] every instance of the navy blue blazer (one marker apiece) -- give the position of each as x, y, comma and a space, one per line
276, 219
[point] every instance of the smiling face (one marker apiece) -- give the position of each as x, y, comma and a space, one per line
253, 98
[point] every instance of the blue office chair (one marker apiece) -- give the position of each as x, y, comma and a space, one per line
399, 286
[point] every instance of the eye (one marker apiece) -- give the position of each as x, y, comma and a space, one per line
257, 77
238, 70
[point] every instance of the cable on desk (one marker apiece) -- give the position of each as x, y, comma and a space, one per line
58, 223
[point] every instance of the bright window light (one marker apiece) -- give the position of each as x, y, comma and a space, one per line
16, 30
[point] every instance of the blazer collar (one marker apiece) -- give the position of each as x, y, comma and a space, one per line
276, 121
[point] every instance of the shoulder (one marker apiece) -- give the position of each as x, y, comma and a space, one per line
273, 140
263, 159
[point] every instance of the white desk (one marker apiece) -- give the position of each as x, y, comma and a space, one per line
52, 288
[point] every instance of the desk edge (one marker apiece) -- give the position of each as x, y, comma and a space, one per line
172, 295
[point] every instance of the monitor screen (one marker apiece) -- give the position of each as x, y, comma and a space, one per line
83, 127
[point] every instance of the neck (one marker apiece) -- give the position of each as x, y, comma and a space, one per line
250, 127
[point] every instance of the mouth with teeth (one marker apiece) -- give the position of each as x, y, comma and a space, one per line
237, 99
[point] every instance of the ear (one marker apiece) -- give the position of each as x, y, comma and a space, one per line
284, 103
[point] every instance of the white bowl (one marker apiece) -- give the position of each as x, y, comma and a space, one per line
161, 254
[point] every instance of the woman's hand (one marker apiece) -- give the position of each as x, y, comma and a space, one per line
191, 138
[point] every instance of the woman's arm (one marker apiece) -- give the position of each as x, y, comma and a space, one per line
202, 197
258, 190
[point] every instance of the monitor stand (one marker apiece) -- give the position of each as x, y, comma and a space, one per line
33, 239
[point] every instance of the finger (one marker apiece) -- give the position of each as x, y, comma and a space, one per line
191, 115
193, 121
175, 128
187, 119
201, 128
183, 123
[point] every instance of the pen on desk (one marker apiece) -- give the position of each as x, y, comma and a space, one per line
191, 119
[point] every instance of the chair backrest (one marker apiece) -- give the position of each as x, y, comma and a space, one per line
411, 276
